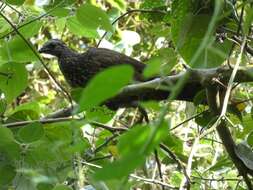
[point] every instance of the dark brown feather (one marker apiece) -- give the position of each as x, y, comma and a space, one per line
79, 68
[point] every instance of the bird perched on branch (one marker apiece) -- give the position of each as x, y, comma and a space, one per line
79, 68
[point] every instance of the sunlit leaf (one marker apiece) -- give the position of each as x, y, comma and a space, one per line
132, 153
16, 50
30, 29
78, 29
8, 84
92, 17
6, 135
105, 85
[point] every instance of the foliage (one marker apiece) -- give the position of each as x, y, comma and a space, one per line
82, 152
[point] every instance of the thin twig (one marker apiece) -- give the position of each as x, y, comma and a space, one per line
180, 165
99, 158
189, 119
56, 120
231, 80
220, 179
5, 74
159, 167
105, 143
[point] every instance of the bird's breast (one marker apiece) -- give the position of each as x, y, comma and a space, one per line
74, 72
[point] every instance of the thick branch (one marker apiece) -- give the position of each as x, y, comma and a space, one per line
161, 88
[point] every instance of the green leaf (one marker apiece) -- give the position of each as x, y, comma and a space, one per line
199, 98
8, 147
132, 152
174, 143
31, 29
77, 28
60, 12
14, 84
7, 174
15, 2
30, 133
16, 50
44, 186
105, 85
6, 135
188, 34
100, 114
206, 119
60, 24
120, 4
120, 168
140, 134
62, 187
161, 64
150, 4
248, 18
92, 17
5, 27
222, 162
250, 139
30, 106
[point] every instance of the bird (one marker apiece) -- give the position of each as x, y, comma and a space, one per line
79, 68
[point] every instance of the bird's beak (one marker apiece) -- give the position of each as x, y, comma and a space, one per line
43, 50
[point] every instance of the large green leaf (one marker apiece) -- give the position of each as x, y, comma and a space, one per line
180, 9
132, 152
77, 28
30, 133
188, 31
5, 27
105, 85
93, 17
6, 135
120, 168
7, 174
31, 29
16, 50
9, 149
29, 106
248, 18
16, 81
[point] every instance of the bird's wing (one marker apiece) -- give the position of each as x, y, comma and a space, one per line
102, 58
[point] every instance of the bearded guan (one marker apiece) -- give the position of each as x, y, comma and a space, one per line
79, 68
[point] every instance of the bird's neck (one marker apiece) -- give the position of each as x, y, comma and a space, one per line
66, 53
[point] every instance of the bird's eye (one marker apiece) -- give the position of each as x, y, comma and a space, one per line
52, 46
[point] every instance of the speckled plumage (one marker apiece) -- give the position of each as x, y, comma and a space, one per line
79, 68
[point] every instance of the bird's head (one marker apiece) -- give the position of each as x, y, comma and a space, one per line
53, 47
